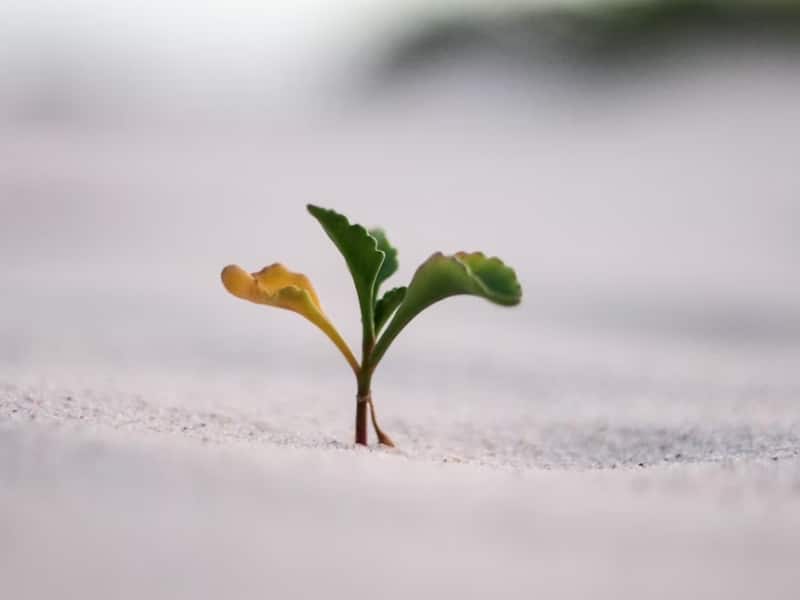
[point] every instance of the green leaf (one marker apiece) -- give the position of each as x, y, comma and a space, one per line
364, 259
387, 305
390, 264
442, 276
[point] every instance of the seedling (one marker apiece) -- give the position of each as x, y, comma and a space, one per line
372, 260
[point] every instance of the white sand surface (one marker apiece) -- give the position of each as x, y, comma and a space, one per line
143, 516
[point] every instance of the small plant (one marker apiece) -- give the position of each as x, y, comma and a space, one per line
372, 260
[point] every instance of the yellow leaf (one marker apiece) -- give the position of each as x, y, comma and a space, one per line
277, 286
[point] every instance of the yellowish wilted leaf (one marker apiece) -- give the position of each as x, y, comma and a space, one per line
276, 286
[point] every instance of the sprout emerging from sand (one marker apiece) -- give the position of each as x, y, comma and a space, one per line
372, 260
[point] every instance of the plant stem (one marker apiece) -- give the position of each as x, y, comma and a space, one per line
363, 398
382, 437
361, 418
364, 403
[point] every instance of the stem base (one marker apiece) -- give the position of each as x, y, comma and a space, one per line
362, 406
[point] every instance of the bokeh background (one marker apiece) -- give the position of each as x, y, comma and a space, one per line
636, 162
631, 430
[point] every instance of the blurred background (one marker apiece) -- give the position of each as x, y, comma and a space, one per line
635, 161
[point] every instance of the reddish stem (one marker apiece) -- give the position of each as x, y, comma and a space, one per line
362, 406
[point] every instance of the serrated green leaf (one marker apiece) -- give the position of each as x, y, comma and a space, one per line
363, 258
386, 306
442, 276
390, 264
